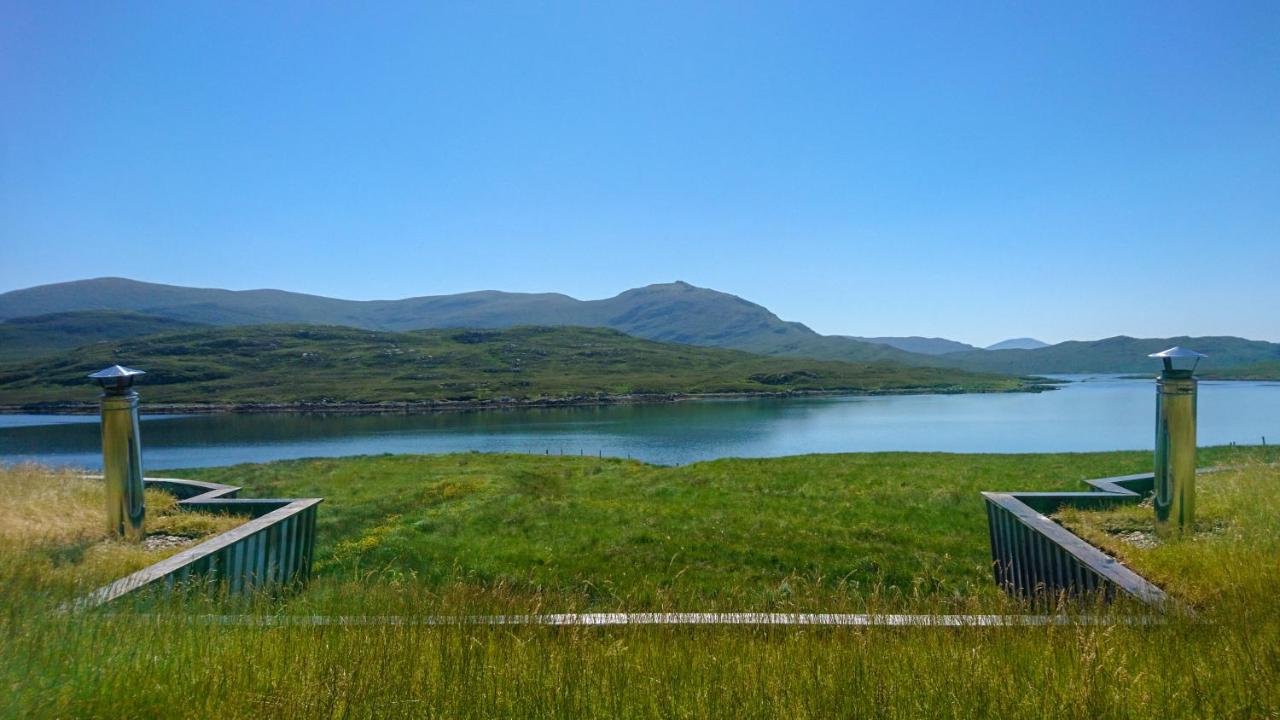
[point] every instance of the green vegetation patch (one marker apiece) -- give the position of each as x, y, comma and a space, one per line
1269, 370
265, 364
26, 338
734, 533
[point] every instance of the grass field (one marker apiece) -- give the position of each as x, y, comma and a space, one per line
792, 532
269, 364
174, 662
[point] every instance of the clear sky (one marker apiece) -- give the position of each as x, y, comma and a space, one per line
974, 170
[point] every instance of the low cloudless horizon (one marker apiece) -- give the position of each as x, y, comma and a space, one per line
975, 172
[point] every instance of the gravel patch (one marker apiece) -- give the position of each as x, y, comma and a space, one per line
1139, 539
164, 542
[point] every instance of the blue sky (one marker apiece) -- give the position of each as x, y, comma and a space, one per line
970, 170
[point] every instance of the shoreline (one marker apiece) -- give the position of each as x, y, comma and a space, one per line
1208, 378
414, 407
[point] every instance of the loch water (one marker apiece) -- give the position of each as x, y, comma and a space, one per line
1087, 413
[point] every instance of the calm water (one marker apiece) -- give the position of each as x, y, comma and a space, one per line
1090, 414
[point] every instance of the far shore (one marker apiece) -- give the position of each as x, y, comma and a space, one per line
409, 407
1211, 378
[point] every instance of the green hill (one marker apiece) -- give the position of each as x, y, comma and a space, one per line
30, 337
1119, 354
318, 364
921, 345
670, 312
1269, 370
201, 305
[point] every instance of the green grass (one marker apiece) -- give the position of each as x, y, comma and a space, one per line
173, 662
103, 667
736, 534
311, 364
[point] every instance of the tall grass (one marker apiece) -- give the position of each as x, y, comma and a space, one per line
176, 665
1233, 553
178, 658
54, 534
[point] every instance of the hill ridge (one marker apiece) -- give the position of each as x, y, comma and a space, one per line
676, 312
670, 312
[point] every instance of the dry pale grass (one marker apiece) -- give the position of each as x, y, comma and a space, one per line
40, 505
53, 530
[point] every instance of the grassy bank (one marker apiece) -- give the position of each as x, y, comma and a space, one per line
292, 364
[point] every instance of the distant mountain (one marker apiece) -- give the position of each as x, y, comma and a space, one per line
37, 335
671, 312
201, 305
921, 345
1120, 354
1018, 344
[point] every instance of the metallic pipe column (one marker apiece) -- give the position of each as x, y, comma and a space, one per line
1175, 468
121, 453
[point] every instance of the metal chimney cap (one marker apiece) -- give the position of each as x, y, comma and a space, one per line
116, 371
1177, 351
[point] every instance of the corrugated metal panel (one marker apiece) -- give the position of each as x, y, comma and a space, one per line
272, 549
1036, 558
